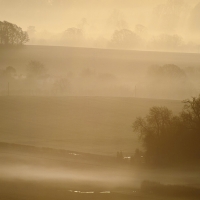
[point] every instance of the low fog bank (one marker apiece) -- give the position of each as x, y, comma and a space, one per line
42, 172
97, 179
107, 179
93, 74
96, 176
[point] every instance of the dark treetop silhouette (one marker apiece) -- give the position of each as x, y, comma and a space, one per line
11, 34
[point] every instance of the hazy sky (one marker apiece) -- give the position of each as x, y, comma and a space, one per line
57, 15
101, 18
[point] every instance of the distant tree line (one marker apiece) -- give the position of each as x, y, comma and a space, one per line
171, 139
11, 34
36, 80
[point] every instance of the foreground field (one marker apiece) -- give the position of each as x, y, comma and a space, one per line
47, 191
28, 172
40, 191
101, 125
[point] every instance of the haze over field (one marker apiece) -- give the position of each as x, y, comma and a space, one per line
168, 25
99, 99
95, 72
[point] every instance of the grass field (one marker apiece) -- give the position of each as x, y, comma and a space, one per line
90, 124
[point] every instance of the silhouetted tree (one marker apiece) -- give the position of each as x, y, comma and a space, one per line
61, 86
168, 71
140, 29
167, 42
191, 114
36, 69
170, 139
137, 159
172, 79
11, 34
124, 38
152, 128
74, 33
73, 36
10, 71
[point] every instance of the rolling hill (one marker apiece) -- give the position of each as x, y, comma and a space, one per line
100, 125
61, 58
100, 72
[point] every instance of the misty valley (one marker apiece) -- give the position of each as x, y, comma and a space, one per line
70, 134
99, 100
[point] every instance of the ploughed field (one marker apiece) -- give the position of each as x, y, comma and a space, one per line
100, 125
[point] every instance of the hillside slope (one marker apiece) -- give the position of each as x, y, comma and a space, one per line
64, 57
88, 124
100, 72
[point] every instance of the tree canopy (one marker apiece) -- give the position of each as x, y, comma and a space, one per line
171, 139
124, 38
36, 70
11, 34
